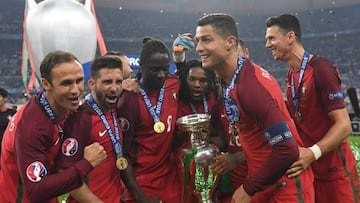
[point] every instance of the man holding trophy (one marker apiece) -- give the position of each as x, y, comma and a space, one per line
255, 115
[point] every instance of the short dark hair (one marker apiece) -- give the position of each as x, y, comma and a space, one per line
3, 92
109, 61
51, 60
114, 53
150, 47
223, 23
286, 23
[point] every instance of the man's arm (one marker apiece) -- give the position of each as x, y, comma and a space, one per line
53, 184
338, 132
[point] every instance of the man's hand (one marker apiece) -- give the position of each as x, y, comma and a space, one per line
226, 162
306, 157
180, 45
223, 164
95, 154
130, 85
183, 42
240, 196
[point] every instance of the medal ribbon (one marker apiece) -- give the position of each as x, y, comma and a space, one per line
50, 112
205, 104
232, 111
295, 94
115, 139
155, 114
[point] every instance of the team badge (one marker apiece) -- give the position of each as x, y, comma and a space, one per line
70, 147
124, 124
336, 95
36, 171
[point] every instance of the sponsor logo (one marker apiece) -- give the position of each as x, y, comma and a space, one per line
36, 171
102, 133
70, 147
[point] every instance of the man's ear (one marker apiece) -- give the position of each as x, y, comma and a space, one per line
291, 37
91, 83
45, 84
230, 42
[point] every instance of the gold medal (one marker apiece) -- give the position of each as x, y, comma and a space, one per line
159, 127
298, 116
121, 163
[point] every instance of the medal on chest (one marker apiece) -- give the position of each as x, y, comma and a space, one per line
121, 163
155, 111
159, 127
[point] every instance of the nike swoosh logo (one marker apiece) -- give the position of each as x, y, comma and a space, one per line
102, 133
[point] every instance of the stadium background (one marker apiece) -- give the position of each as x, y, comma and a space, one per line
330, 29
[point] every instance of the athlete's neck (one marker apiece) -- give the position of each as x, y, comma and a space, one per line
295, 58
227, 71
59, 111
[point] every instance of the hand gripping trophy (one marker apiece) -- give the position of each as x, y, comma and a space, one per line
197, 125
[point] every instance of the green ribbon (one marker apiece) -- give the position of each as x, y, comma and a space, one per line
224, 184
187, 162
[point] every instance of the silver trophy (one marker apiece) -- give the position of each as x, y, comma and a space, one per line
197, 125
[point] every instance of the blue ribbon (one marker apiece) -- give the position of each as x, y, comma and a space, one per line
115, 139
295, 94
155, 114
50, 112
232, 111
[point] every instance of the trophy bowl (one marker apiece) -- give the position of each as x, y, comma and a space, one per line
193, 122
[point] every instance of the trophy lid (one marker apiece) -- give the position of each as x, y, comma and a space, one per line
193, 122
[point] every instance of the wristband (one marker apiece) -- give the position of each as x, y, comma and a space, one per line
316, 151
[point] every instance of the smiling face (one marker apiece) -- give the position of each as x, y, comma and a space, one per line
65, 88
197, 81
278, 42
155, 71
106, 88
211, 47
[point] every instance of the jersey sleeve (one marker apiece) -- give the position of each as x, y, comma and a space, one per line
328, 84
260, 103
36, 167
258, 99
